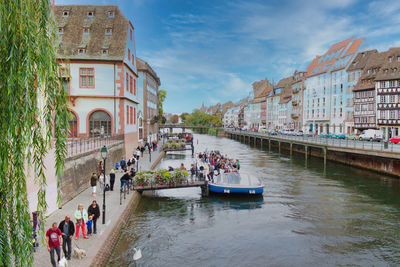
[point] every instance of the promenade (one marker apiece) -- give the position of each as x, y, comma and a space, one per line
114, 214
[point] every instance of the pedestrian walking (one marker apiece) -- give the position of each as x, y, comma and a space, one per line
67, 229
112, 179
94, 210
100, 168
54, 242
93, 183
81, 216
142, 149
125, 179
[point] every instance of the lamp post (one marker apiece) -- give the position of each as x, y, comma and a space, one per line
150, 148
104, 153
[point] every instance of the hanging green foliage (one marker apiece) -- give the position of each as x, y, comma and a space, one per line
31, 96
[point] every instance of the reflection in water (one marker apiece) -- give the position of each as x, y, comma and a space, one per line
343, 216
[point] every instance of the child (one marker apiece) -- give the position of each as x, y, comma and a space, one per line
117, 166
89, 225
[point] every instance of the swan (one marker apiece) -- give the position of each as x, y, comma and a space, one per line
138, 254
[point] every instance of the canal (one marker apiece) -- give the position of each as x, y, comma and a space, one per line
343, 216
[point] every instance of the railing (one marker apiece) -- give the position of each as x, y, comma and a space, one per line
325, 141
81, 145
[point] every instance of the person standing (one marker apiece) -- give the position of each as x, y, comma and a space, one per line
123, 164
112, 179
125, 179
54, 241
142, 149
95, 211
81, 216
67, 229
93, 183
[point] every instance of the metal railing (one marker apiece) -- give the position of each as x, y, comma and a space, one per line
326, 141
76, 146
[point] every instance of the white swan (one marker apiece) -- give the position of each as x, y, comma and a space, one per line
138, 254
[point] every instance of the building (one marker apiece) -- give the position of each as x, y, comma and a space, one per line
231, 117
285, 104
297, 99
327, 92
364, 91
258, 107
148, 116
388, 93
98, 60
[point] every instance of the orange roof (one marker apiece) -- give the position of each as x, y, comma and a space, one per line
354, 47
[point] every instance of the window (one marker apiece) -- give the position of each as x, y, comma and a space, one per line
81, 51
90, 14
341, 88
131, 85
111, 14
130, 33
108, 31
392, 99
60, 30
134, 86
382, 100
73, 125
127, 82
131, 117
392, 114
86, 77
390, 59
86, 30
65, 14
104, 52
99, 124
127, 114
129, 54
133, 59
341, 112
134, 115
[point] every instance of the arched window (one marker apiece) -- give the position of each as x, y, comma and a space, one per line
73, 125
99, 124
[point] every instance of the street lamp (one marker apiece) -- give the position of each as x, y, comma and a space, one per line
104, 153
150, 148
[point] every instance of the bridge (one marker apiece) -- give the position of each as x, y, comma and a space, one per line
182, 126
380, 157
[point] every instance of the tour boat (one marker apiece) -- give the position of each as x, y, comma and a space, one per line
235, 183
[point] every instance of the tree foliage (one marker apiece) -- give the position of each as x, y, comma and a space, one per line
33, 108
199, 118
162, 94
175, 118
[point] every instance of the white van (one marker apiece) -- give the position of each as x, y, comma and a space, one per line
371, 135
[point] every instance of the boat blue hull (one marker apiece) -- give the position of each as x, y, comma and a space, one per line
235, 190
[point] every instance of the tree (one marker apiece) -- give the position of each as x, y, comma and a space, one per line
174, 118
199, 118
33, 106
162, 94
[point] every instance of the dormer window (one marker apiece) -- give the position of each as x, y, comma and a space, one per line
110, 14
398, 59
369, 71
104, 52
108, 31
65, 14
385, 71
354, 63
81, 51
86, 30
395, 70
90, 14
390, 59
60, 30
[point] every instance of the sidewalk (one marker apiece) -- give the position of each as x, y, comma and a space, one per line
114, 214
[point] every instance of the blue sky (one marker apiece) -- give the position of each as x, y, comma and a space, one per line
213, 50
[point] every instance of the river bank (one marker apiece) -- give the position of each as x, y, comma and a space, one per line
99, 247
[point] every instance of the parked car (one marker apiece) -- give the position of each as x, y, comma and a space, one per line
353, 137
299, 133
323, 135
338, 136
309, 134
371, 135
262, 129
395, 139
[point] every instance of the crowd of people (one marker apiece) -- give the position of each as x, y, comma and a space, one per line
216, 162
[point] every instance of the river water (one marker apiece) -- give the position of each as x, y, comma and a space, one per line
306, 217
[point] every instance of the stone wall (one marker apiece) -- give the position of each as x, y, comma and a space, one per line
78, 170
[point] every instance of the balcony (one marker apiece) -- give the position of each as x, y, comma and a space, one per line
294, 102
294, 115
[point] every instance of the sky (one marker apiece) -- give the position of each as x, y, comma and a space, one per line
210, 51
